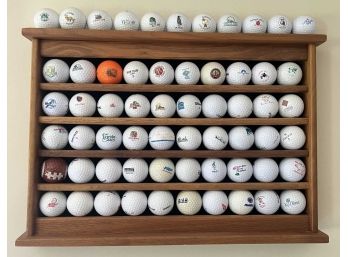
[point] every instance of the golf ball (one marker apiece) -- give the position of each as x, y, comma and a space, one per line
188, 106
265, 170
135, 138
100, 20
178, 22
239, 170
80, 203
213, 73
279, 24
303, 25
241, 202
229, 23
81, 170
135, 72
291, 106
188, 138
238, 73
215, 202
108, 138
55, 104
263, 73
110, 106
52, 204
135, 170
54, 137
160, 202
292, 169
108, 170
266, 138
46, 18
56, 71
82, 71
163, 106
265, 106
161, 138
267, 202
161, 170
134, 203
81, 137
109, 72
203, 23
292, 201
126, 20
214, 106
54, 170
137, 106
187, 73
214, 170
152, 22
239, 106
187, 170
289, 73
161, 73
82, 105
292, 137
215, 138
189, 202
107, 203
72, 18
254, 24
241, 138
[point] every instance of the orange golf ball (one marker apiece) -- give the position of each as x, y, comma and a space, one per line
109, 72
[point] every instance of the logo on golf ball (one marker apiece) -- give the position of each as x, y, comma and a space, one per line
69, 18
215, 73
181, 105
133, 135
182, 139
132, 72
53, 203
159, 107
308, 21
111, 73
205, 22
261, 202
98, 18
299, 168
44, 16
50, 72
213, 165
168, 169
159, 71
264, 76
250, 202
239, 169
77, 67
183, 200
220, 139
282, 22
249, 131
50, 104
106, 137
135, 105
128, 170
153, 22
257, 22
287, 136
186, 73
292, 71
288, 203
243, 72
230, 22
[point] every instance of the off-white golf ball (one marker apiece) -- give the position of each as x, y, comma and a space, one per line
292, 169
291, 106
188, 106
265, 170
82, 105
135, 170
160, 202
187, 170
214, 106
266, 138
215, 202
265, 106
241, 202
82, 71
80, 203
178, 22
229, 23
279, 24
55, 104
135, 72
203, 23
161, 138
126, 20
46, 18
267, 202
54, 137
189, 202
188, 138
137, 106
152, 22
72, 18
161, 73
81, 170
215, 138
187, 73
135, 138
239, 170
56, 71
238, 73
214, 170
81, 137
303, 25
134, 203
241, 138
52, 204
292, 137
107, 203
161, 170
100, 20
254, 24
263, 73
110, 106
292, 201
163, 106
289, 73
239, 106
108, 170
109, 138
213, 73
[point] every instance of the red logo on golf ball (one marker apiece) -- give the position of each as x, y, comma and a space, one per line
159, 71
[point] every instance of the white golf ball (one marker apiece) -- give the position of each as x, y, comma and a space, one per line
188, 106
135, 72
161, 73
82, 105
265, 170
203, 23
238, 73
266, 138
135, 170
303, 25
134, 203
267, 202
135, 138
108, 138
213, 73
263, 73
289, 73
187, 73
54, 137
214, 170
163, 106
189, 202
137, 106
254, 24
215, 202
292, 201
229, 23
56, 71
161, 138
100, 20
55, 104
241, 138
81, 170
80, 203
239, 170
126, 20
160, 202
214, 106
279, 24
215, 138
239, 106
265, 106
72, 18
52, 204
241, 202
81, 137
107, 203
188, 138
108, 170
110, 106
291, 106
292, 137
46, 18
292, 169
187, 170
82, 71
152, 22
178, 22
161, 170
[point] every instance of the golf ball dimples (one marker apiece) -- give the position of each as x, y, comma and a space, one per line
152, 22
214, 106
265, 170
229, 23
189, 202
109, 138
80, 203
239, 170
214, 170
54, 137
52, 204
239, 106
263, 73
46, 18
81, 137
160, 202
135, 170
161, 170
188, 106
134, 203
241, 138
107, 203
266, 138
292, 137
110, 105
82, 105
279, 24
303, 25
265, 106
135, 138
213, 73
241, 202
135, 72
161, 73
289, 73
82, 71
161, 138
215, 138
55, 104
292, 201
238, 73
203, 23
100, 20
126, 20
291, 106
215, 202
254, 24
108, 170
163, 106
267, 202
137, 106
292, 169
72, 18
81, 170
187, 73
187, 170
56, 71
188, 138
178, 22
